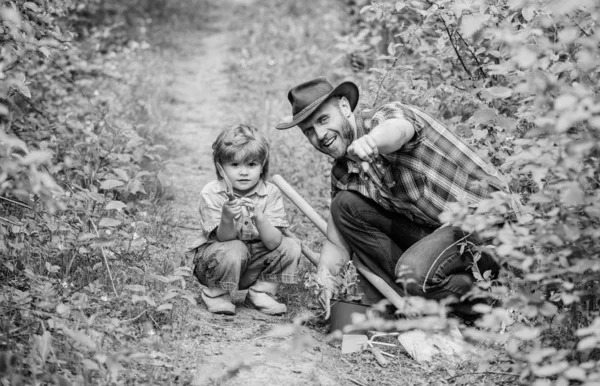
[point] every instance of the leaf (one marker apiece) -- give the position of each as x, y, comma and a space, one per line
576, 373
399, 6
551, 369
189, 297
136, 288
587, 343
136, 186
118, 205
479, 134
11, 15
526, 57
472, 23
572, 194
32, 6
565, 102
365, 9
526, 333
89, 364
499, 92
107, 222
63, 309
79, 337
147, 299
483, 116
45, 51
110, 184
548, 309
42, 344
24, 90
36, 158
164, 307
170, 295
528, 13
160, 278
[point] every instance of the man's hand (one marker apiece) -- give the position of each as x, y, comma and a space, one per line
327, 281
364, 150
325, 301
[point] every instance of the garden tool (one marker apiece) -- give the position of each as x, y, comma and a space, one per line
414, 341
246, 202
355, 343
358, 342
227, 182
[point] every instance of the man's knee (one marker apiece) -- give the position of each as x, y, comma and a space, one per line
344, 207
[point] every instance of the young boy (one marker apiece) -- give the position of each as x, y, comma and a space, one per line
242, 215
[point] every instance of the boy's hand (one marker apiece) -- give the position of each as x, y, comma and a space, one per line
232, 210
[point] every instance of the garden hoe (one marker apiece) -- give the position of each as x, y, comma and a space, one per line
423, 347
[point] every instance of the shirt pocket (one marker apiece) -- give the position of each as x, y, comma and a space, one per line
410, 184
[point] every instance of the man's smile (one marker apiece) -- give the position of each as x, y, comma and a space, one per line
328, 141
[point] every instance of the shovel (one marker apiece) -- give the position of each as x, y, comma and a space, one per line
227, 182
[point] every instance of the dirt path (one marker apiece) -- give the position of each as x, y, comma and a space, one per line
220, 349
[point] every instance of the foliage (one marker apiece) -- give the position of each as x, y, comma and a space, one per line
519, 80
345, 284
78, 181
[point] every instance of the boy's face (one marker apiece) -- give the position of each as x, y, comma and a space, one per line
243, 174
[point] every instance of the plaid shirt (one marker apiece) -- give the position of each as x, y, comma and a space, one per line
421, 178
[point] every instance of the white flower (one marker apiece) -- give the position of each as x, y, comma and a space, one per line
104, 298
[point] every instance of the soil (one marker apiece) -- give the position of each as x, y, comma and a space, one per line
249, 348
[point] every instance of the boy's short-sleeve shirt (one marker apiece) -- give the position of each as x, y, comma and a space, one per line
421, 178
265, 196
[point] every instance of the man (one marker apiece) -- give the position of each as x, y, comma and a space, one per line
396, 170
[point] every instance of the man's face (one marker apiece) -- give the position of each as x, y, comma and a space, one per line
328, 129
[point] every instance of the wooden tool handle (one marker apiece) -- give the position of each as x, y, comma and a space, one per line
306, 251
379, 357
313, 216
297, 200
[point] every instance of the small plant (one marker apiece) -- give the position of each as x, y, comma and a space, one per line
345, 284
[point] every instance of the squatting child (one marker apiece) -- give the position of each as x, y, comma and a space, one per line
242, 246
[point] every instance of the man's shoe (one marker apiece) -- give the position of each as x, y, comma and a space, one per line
219, 304
264, 302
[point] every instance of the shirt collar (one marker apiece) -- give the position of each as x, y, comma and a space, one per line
260, 189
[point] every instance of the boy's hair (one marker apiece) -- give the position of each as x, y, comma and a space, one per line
244, 143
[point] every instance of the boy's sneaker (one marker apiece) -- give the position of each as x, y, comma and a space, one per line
264, 302
219, 304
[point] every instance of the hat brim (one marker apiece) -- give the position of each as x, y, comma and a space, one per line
346, 89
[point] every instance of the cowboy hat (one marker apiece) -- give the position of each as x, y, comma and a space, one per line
307, 97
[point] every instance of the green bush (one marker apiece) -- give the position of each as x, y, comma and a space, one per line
519, 81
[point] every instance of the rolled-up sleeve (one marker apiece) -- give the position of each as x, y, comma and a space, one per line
274, 209
211, 206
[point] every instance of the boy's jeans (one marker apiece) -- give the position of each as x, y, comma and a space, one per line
236, 264
425, 260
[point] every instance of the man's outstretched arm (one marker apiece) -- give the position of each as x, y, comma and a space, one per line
387, 137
